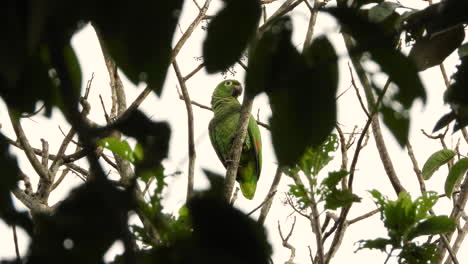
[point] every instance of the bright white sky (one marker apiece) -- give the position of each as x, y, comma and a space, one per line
369, 175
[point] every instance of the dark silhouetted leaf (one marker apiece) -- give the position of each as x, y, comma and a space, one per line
428, 52
444, 121
153, 137
455, 176
397, 122
8, 181
457, 96
439, 17
226, 39
84, 226
382, 11
435, 161
141, 43
370, 37
301, 89
243, 242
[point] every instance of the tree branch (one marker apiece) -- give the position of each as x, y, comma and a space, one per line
379, 140
191, 141
271, 194
236, 149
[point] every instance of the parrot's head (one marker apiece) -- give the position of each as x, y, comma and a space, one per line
228, 88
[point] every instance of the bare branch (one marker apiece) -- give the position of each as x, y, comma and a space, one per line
286, 244
271, 194
364, 216
191, 140
190, 30
315, 224
379, 140
282, 10
353, 83
417, 171
192, 73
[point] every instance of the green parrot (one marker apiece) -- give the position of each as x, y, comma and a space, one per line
222, 129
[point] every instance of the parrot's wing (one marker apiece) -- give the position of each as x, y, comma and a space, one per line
216, 142
255, 138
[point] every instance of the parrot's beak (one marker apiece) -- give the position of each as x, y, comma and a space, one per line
237, 90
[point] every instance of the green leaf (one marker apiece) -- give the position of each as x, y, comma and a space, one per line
301, 89
424, 204
418, 254
435, 161
226, 41
378, 243
334, 178
430, 51
141, 44
301, 194
119, 147
314, 159
138, 152
433, 225
455, 175
340, 198
158, 173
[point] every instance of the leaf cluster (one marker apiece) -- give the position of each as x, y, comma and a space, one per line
407, 220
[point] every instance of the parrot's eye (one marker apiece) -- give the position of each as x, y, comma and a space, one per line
228, 83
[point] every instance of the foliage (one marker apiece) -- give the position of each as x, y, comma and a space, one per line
300, 107
336, 198
405, 221
435, 161
39, 65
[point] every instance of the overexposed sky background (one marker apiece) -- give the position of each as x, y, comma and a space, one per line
169, 107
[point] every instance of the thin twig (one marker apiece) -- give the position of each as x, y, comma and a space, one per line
353, 83
364, 216
190, 30
284, 9
417, 171
15, 239
267, 199
192, 73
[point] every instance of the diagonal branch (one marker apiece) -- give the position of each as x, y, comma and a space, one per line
236, 149
271, 194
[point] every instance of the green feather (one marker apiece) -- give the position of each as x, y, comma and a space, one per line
222, 130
